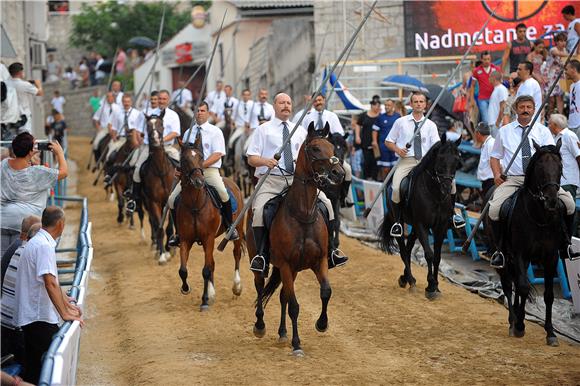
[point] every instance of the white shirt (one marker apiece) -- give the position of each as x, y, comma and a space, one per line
569, 152
268, 113
58, 103
500, 94
298, 115
402, 133
267, 139
99, 74
327, 116
134, 120
38, 258
220, 108
104, 115
531, 87
242, 113
574, 116
508, 139
572, 34
215, 97
119, 98
212, 140
171, 124
182, 100
9, 305
25, 91
484, 171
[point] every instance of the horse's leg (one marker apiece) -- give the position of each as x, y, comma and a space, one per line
153, 230
282, 332
259, 326
325, 294
522, 291
293, 307
438, 237
423, 236
208, 297
184, 248
120, 206
158, 230
408, 272
237, 286
549, 273
506, 285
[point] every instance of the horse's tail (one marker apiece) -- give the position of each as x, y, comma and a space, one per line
271, 286
387, 242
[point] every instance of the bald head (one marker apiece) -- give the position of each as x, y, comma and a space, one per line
33, 230
27, 224
282, 106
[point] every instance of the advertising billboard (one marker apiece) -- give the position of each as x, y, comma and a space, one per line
437, 28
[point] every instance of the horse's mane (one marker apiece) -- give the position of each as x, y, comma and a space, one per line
429, 158
548, 149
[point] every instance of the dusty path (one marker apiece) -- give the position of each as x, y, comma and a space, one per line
142, 331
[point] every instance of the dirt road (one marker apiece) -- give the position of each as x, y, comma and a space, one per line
140, 330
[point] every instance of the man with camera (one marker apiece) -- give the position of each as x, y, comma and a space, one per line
25, 90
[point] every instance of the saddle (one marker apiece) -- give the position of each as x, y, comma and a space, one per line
507, 208
406, 187
215, 197
174, 163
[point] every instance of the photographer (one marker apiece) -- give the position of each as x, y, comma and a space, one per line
25, 90
25, 186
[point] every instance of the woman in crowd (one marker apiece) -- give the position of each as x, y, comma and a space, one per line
538, 57
554, 63
25, 186
363, 138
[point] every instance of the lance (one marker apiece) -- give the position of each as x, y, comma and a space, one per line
189, 80
338, 75
418, 129
278, 155
524, 139
122, 166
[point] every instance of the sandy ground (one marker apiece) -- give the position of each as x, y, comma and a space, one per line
140, 330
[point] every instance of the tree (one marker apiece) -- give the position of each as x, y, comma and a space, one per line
106, 25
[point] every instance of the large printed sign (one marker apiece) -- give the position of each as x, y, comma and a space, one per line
435, 28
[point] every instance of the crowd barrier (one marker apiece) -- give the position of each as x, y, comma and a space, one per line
60, 362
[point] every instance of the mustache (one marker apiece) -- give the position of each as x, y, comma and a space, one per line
525, 113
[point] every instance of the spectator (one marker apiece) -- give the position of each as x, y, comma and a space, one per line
24, 189
497, 103
92, 63
99, 73
53, 70
84, 72
12, 339
363, 138
58, 102
508, 112
134, 59
95, 100
400, 108
554, 64
39, 296
8, 379
121, 62
484, 173
356, 157
573, 29
58, 129
538, 56
481, 74
573, 73
71, 76
25, 91
381, 129
10, 116
529, 85
517, 50
570, 152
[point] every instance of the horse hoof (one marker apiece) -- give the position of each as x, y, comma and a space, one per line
142, 234
162, 259
511, 332
298, 353
185, 291
518, 333
402, 281
282, 339
132, 227
432, 295
259, 333
412, 289
237, 289
552, 341
203, 308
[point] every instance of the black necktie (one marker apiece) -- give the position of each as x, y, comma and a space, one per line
319, 124
245, 108
288, 160
417, 142
526, 150
125, 123
262, 111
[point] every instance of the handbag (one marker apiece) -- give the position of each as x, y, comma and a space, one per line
460, 104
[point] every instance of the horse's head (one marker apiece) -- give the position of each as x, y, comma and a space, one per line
340, 146
191, 160
543, 175
441, 163
155, 129
321, 164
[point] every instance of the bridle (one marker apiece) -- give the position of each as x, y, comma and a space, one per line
321, 180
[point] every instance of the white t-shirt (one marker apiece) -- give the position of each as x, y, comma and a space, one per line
572, 34
574, 116
402, 133
58, 103
500, 94
212, 140
484, 171
25, 91
38, 258
327, 116
569, 152
531, 87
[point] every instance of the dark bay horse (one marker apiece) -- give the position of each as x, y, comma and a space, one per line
100, 152
535, 234
299, 237
429, 207
199, 221
157, 179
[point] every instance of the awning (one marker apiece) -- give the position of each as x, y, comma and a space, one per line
6, 47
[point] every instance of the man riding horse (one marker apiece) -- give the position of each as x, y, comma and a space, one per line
265, 142
411, 145
171, 130
507, 141
103, 117
214, 149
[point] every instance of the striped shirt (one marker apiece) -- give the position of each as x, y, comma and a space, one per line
9, 290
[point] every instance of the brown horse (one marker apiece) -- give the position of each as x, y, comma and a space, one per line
199, 221
299, 236
157, 180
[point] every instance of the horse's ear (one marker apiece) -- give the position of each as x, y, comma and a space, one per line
559, 144
162, 114
345, 136
325, 131
311, 129
458, 142
147, 117
444, 137
197, 144
180, 141
536, 146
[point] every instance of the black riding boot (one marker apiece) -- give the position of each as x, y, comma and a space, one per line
344, 195
397, 227
135, 193
497, 259
336, 257
227, 216
260, 263
174, 239
569, 223
457, 219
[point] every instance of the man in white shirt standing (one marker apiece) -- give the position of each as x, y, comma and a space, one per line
263, 111
265, 142
41, 300
507, 141
573, 73
103, 117
24, 91
484, 173
529, 86
570, 152
214, 148
182, 96
58, 102
217, 96
497, 102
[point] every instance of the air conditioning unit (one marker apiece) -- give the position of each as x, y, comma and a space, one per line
37, 54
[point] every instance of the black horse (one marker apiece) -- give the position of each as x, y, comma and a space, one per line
535, 233
427, 206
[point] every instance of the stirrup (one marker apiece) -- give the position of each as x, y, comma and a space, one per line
234, 235
131, 206
127, 193
396, 230
497, 260
572, 256
107, 180
258, 264
337, 258
458, 221
174, 240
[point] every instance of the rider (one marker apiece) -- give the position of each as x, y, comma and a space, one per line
506, 142
265, 142
217, 112
171, 130
122, 123
214, 149
319, 115
102, 118
242, 115
398, 141
263, 111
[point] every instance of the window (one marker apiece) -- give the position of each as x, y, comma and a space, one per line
37, 54
58, 7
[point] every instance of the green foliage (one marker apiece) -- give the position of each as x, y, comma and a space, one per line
106, 25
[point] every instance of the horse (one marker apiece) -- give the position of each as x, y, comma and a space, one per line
243, 173
534, 234
199, 221
157, 180
228, 129
298, 237
184, 118
100, 152
428, 207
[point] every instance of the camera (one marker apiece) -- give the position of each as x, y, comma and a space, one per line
42, 145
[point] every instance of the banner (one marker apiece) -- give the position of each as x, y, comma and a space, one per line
375, 218
438, 28
573, 268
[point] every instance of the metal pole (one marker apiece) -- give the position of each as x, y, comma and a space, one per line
278, 154
330, 93
418, 129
